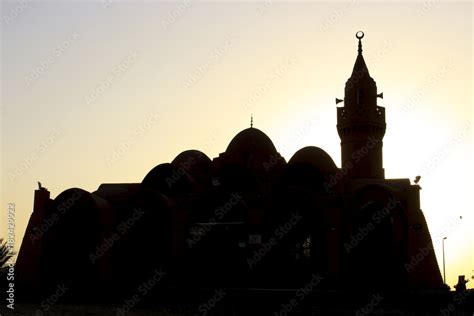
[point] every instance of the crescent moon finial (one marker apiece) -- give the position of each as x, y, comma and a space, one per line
360, 36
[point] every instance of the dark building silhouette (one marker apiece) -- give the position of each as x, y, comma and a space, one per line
247, 218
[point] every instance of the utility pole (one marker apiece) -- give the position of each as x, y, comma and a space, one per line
444, 265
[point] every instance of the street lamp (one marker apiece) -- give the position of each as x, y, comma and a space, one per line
444, 266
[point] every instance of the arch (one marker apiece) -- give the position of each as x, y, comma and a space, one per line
74, 227
377, 238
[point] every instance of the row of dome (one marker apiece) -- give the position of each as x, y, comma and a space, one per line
253, 141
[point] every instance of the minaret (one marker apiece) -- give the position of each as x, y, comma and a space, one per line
361, 124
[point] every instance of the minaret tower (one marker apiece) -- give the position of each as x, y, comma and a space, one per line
361, 124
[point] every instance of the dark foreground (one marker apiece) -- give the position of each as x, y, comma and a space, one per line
273, 302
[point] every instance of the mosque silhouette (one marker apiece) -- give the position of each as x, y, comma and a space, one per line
245, 219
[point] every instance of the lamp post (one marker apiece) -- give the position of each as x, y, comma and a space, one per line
444, 265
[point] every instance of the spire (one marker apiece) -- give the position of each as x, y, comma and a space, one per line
360, 69
360, 36
251, 120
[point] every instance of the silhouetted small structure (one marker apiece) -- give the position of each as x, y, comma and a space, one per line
461, 285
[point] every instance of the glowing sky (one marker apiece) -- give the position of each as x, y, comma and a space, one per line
103, 91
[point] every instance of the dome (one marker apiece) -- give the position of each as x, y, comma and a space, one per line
314, 156
193, 161
79, 220
251, 140
82, 200
168, 179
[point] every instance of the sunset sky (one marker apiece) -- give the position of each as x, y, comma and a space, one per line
103, 91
